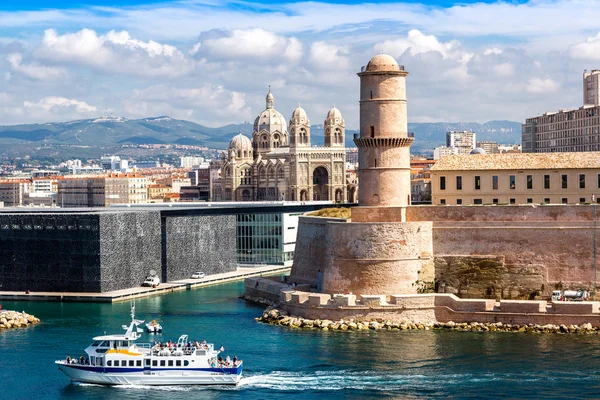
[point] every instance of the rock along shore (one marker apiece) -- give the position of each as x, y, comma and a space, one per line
274, 316
15, 319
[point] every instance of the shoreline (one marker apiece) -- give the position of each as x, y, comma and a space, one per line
241, 273
274, 316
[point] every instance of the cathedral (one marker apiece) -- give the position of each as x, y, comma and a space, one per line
279, 163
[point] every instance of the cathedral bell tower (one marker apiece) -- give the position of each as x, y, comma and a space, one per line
384, 142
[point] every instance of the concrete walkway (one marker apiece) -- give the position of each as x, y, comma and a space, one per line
136, 292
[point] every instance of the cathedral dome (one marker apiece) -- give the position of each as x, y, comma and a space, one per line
382, 62
270, 120
240, 142
299, 116
334, 115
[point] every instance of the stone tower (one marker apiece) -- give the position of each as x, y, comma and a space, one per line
299, 129
384, 143
335, 128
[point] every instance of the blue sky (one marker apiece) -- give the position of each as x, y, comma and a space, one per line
211, 61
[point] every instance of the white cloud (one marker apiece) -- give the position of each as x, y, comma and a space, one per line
542, 85
493, 50
328, 56
588, 50
115, 51
52, 108
226, 106
243, 44
417, 42
34, 70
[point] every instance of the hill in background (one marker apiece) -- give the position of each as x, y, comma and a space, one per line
115, 131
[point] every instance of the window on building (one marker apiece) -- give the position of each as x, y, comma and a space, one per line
598, 181
513, 201
495, 182
529, 200
442, 201
547, 181
443, 182
512, 181
477, 183
565, 200
581, 181
372, 131
547, 200
477, 201
459, 201
529, 181
582, 199
564, 181
494, 201
459, 183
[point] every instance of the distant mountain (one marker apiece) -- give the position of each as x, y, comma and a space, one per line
111, 131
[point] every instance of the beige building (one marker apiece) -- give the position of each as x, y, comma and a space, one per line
278, 164
489, 147
12, 192
463, 141
571, 130
591, 87
516, 179
102, 191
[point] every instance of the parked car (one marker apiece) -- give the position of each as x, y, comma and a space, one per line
151, 281
198, 275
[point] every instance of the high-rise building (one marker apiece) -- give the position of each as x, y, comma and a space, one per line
463, 141
591, 87
570, 130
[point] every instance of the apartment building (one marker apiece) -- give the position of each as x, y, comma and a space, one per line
571, 130
102, 191
516, 179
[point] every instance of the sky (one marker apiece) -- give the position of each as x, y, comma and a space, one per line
212, 61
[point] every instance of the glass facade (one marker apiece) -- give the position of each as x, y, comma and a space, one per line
259, 239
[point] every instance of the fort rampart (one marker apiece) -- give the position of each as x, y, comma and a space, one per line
478, 251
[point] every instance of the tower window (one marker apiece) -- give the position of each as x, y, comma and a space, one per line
371, 94
372, 131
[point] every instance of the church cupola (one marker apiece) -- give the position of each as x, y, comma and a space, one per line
335, 128
299, 128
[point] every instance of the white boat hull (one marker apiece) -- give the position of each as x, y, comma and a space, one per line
103, 376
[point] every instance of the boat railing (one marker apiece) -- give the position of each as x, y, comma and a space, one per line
143, 345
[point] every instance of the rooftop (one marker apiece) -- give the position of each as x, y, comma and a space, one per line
517, 161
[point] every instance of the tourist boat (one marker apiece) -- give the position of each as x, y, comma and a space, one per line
153, 327
119, 360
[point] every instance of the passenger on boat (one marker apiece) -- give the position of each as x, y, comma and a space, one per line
81, 360
68, 360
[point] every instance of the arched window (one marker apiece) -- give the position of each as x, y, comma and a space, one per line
280, 173
245, 153
239, 154
271, 173
263, 174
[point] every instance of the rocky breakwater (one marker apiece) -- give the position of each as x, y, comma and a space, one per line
15, 319
275, 316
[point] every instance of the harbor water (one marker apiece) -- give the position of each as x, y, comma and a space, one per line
281, 362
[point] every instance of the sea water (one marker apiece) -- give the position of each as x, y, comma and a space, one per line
301, 364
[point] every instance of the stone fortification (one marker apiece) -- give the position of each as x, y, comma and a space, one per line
378, 257
423, 308
479, 251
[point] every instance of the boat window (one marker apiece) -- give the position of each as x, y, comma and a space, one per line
116, 363
131, 363
162, 363
178, 363
124, 343
154, 363
170, 363
147, 362
186, 363
109, 363
104, 344
96, 343
138, 363
101, 350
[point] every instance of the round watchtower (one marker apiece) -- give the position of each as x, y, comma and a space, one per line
384, 142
